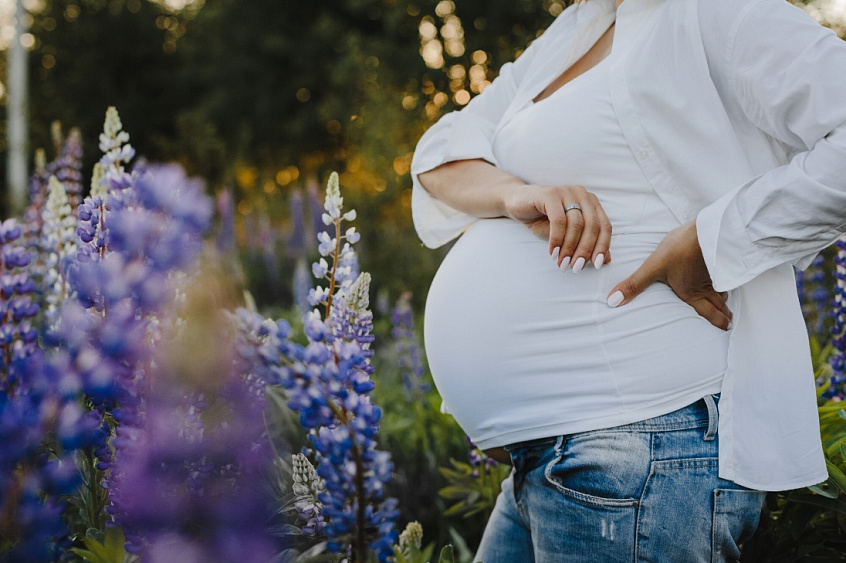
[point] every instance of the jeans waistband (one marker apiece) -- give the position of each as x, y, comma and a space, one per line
700, 414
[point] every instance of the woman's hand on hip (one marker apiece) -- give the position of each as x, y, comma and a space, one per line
580, 235
678, 262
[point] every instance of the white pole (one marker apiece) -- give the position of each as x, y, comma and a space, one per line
17, 88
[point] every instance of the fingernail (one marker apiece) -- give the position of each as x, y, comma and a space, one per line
580, 263
615, 299
565, 263
731, 325
600, 260
555, 252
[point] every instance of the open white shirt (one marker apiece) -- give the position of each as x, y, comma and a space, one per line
736, 112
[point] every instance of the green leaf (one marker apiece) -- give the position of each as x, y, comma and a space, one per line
464, 553
836, 475
824, 503
110, 551
455, 491
447, 555
827, 489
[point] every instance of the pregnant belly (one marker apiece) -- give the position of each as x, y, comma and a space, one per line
513, 342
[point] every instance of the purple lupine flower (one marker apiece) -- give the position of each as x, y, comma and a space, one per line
33, 222
327, 383
330, 392
408, 350
818, 289
297, 237
478, 459
153, 233
67, 167
838, 330
267, 243
226, 243
42, 407
209, 478
18, 338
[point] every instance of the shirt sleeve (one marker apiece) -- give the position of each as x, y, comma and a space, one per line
462, 135
789, 76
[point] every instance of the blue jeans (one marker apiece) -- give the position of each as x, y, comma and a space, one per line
647, 491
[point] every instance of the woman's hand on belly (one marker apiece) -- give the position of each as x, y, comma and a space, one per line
678, 263
584, 234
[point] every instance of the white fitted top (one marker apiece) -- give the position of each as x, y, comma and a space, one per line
520, 350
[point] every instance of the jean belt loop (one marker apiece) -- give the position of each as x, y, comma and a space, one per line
713, 418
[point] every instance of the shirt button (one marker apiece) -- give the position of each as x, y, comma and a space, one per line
644, 153
687, 215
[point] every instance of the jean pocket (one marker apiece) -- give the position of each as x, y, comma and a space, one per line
736, 515
605, 469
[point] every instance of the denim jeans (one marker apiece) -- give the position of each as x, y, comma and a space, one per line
647, 491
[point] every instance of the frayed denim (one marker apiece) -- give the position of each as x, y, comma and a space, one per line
647, 491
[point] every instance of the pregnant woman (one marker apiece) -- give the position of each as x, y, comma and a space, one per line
620, 320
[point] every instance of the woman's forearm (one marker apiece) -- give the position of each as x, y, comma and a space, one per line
480, 189
475, 186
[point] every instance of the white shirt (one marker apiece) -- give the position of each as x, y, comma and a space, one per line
536, 352
738, 120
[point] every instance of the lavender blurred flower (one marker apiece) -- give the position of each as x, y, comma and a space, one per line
154, 235
407, 347
67, 167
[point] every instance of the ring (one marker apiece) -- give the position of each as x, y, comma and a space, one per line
572, 206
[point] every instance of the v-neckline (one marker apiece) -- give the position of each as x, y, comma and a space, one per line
569, 82
558, 76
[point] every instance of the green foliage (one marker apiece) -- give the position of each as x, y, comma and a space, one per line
104, 547
474, 491
415, 554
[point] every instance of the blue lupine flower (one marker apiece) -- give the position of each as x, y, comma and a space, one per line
297, 238
838, 330
327, 382
408, 350
17, 304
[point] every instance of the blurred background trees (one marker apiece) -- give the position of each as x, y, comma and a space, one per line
266, 98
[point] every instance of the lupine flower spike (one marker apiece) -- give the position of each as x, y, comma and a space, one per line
59, 247
838, 331
307, 488
410, 538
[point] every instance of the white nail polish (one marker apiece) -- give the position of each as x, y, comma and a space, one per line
555, 252
564, 264
731, 325
580, 263
615, 299
600, 260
